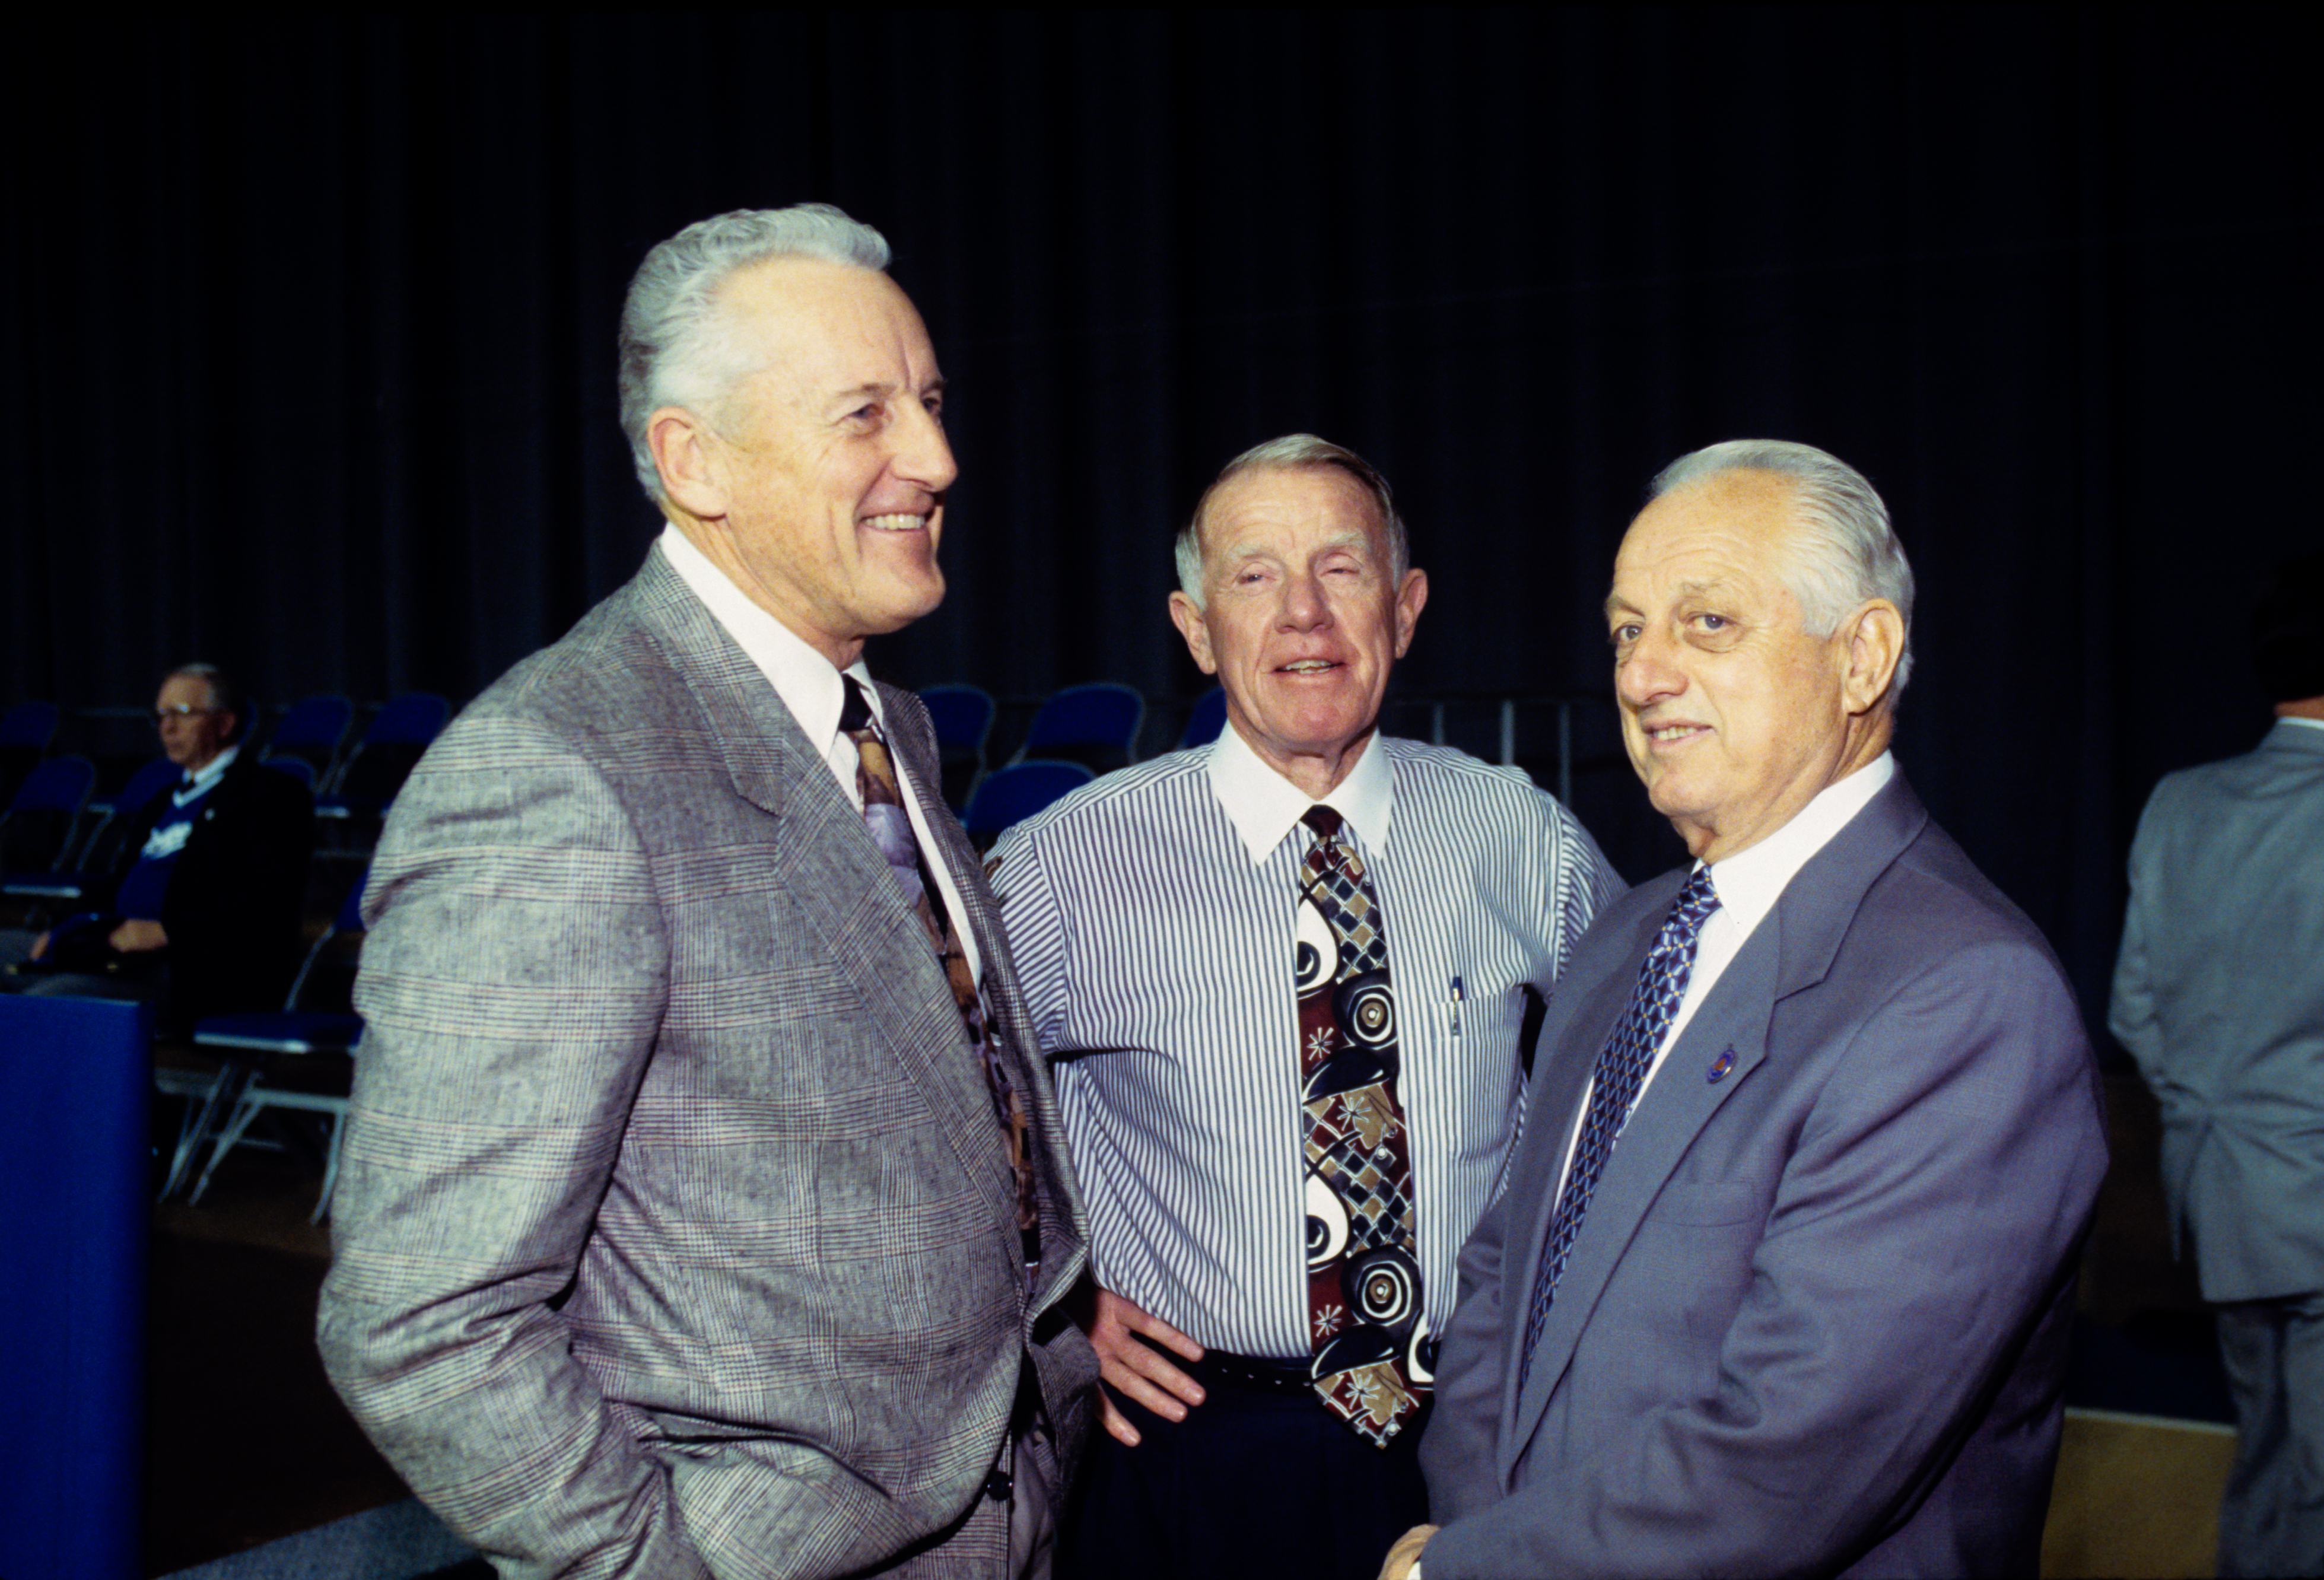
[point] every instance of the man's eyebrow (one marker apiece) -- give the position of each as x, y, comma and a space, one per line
1616, 604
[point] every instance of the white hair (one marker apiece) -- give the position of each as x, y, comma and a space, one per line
1846, 553
677, 347
1293, 449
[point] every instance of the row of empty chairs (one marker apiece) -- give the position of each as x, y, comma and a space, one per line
1076, 734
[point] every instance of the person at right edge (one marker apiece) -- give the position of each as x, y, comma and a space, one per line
2219, 994
1782, 1278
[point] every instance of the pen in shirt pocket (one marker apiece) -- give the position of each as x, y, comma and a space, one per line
1456, 1006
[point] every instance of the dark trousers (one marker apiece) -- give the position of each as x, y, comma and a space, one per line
1254, 1483
2271, 1514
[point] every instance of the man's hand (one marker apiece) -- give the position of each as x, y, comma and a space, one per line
1119, 1331
137, 935
1406, 1552
41, 945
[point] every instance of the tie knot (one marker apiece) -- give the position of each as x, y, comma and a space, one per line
1697, 899
854, 709
1325, 820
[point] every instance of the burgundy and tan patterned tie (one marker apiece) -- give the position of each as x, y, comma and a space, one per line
1366, 1318
890, 826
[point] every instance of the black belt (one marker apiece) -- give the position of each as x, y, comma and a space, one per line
1253, 1371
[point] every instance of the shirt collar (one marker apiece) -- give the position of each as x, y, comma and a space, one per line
1751, 881
212, 771
802, 677
1264, 806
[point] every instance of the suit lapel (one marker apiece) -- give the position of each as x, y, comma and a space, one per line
913, 741
1562, 1074
1724, 1042
878, 945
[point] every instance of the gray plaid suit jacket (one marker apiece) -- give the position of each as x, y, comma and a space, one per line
677, 1235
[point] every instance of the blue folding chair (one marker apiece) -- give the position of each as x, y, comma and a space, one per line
25, 731
390, 747
101, 855
42, 820
313, 731
1095, 724
300, 1057
1010, 795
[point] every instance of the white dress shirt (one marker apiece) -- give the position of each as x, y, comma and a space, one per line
1749, 884
811, 688
1153, 920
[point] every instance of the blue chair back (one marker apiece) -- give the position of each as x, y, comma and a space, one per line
29, 724
1018, 791
385, 756
962, 714
962, 719
1207, 719
314, 730
56, 784
151, 780
1095, 724
38, 830
413, 719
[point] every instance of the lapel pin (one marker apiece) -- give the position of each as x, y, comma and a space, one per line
1720, 1067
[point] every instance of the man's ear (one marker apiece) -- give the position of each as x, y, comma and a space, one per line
1410, 598
1192, 627
1874, 641
681, 444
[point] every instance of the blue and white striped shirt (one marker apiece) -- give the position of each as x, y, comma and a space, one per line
1154, 945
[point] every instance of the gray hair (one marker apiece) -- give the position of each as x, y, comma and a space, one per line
677, 347
1293, 449
1847, 553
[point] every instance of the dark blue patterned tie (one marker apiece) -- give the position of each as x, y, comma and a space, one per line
1622, 1066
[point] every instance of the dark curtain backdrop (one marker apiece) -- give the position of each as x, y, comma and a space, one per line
308, 328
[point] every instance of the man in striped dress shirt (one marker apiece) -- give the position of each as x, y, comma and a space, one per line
1157, 916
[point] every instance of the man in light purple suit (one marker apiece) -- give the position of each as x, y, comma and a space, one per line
1782, 1278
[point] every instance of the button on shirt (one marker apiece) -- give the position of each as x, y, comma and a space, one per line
811, 688
1152, 917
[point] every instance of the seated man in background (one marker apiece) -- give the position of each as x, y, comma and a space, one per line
205, 921
1284, 979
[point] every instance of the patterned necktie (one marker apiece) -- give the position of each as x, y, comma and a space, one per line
1621, 1070
890, 826
1372, 1357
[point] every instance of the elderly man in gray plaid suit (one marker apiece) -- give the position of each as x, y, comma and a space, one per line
704, 1213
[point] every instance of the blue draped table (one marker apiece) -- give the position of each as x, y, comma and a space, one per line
75, 1079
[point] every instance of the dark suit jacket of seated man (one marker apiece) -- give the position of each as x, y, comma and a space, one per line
1812, 1319
204, 920
684, 1225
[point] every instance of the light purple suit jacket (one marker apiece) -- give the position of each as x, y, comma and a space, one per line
677, 1235
1815, 1321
